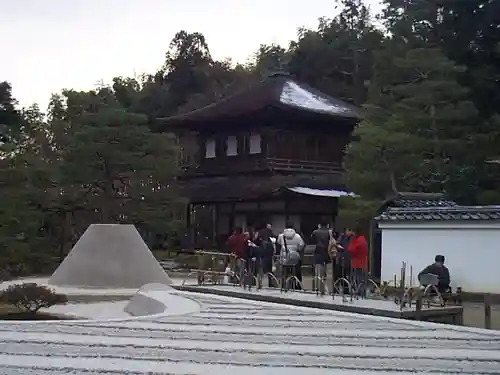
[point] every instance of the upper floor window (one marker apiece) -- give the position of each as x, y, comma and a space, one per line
255, 144
232, 146
210, 148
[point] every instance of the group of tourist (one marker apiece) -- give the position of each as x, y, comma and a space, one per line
263, 250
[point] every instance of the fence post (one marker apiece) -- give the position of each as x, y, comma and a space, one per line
314, 281
459, 299
333, 278
418, 307
487, 311
200, 265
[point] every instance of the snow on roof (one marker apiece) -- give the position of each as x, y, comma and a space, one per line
228, 336
294, 95
277, 92
333, 193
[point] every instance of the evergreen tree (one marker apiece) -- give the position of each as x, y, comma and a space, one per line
422, 123
10, 119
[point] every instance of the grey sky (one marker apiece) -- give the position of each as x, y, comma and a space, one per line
53, 44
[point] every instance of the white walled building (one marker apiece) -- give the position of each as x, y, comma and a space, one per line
468, 237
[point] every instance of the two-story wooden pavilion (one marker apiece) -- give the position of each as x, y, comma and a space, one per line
267, 154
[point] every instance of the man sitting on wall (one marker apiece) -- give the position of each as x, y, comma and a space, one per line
441, 271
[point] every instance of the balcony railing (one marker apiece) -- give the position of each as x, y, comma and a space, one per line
308, 166
227, 167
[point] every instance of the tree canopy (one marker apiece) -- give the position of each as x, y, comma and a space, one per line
426, 72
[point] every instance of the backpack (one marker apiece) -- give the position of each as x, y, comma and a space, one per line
332, 245
291, 258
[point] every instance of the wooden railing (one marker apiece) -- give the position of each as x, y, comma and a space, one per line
292, 165
227, 167
224, 167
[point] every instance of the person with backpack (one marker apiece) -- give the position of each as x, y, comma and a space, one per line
343, 259
291, 245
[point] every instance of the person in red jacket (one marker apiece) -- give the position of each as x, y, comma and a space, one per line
358, 249
236, 244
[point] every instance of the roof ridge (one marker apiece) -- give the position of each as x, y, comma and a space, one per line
457, 208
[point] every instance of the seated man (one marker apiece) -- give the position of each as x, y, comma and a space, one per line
441, 271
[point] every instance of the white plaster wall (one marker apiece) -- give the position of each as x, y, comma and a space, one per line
472, 253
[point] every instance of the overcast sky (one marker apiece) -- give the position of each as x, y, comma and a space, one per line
48, 45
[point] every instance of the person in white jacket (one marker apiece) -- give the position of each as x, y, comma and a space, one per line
291, 246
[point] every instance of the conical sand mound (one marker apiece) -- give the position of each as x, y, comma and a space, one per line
110, 256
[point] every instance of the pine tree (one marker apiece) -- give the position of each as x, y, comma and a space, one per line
423, 123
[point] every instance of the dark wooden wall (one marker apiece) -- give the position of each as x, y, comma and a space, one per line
294, 145
305, 145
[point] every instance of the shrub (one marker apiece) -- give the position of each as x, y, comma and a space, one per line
4, 275
31, 297
20, 262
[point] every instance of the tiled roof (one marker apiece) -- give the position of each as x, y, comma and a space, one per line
278, 91
416, 200
420, 203
439, 213
432, 207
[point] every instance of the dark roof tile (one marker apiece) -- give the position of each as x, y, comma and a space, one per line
440, 213
280, 92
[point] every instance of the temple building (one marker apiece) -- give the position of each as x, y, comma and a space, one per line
268, 154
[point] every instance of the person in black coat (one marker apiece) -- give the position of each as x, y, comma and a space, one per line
343, 258
321, 238
264, 241
441, 271
251, 256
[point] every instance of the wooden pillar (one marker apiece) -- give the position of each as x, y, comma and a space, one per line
188, 216
215, 220
418, 307
487, 311
371, 248
231, 217
287, 213
190, 225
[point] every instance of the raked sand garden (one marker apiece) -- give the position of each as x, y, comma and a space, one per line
110, 326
